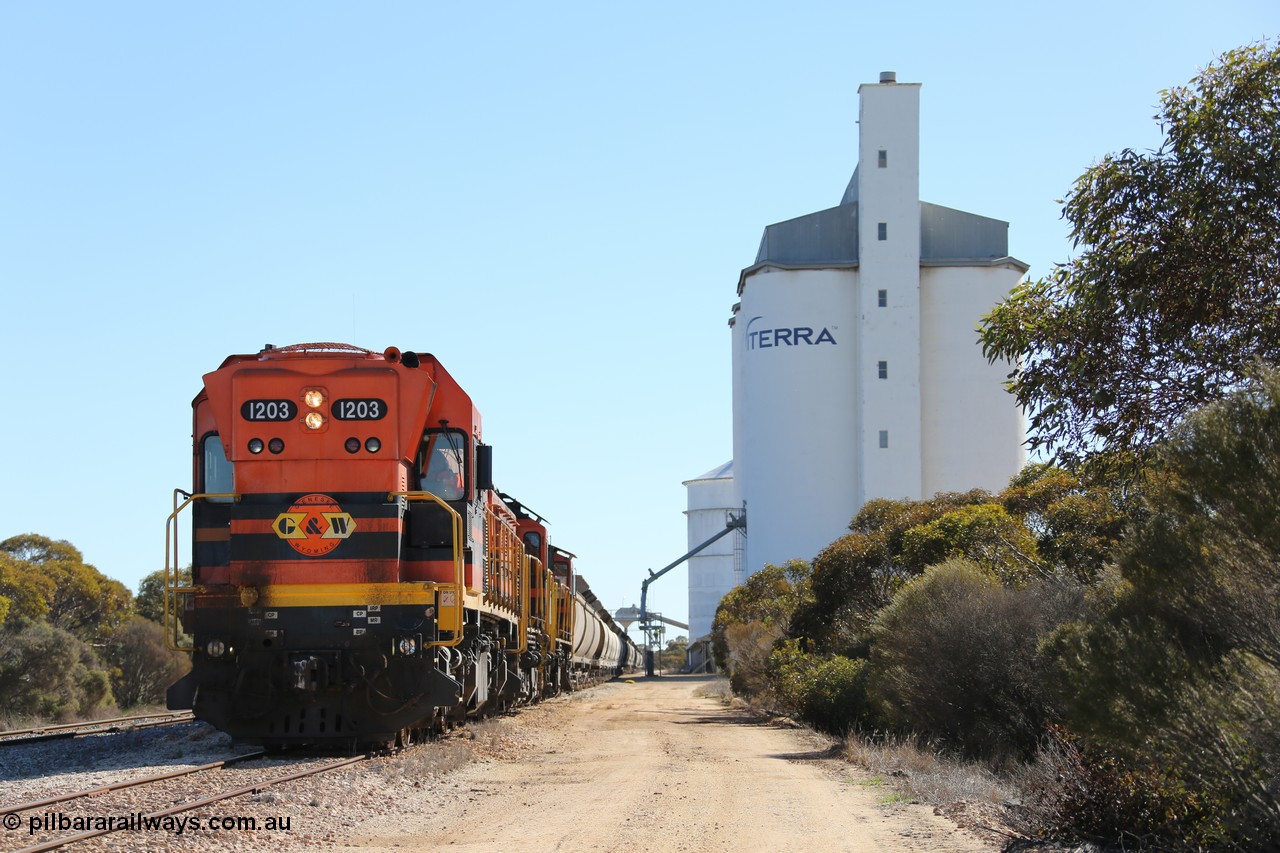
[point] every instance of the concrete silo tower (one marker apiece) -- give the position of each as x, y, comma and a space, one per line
715, 569
856, 368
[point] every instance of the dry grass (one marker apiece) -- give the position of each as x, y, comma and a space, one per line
925, 775
13, 722
449, 753
718, 689
28, 721
971, 794
430, 759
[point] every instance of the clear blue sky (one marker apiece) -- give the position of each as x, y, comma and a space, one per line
555, 199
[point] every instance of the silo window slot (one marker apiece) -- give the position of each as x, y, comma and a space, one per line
882, 367
882, 230
884, 438
882, 298
883, 159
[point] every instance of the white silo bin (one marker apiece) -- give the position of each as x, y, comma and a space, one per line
797, 339
712, 570
973, 434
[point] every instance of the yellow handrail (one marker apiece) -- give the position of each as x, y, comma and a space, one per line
171, 563
505, 567
459, 568
572, 612
551, 616
531, 564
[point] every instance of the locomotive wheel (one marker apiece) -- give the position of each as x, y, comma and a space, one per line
410, 735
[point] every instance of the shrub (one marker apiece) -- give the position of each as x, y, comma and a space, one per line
791, 673
1077, 791
47, 672
750, 645
143, 666
752, 617
837, 700
955, 657
857, 575
827, 693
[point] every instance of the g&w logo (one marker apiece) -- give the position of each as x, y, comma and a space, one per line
314, 525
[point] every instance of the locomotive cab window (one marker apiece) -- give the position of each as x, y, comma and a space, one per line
533, 545
217, 472
441, 464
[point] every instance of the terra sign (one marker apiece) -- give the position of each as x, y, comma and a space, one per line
786, 336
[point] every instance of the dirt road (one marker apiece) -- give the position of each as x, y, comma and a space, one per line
658, 766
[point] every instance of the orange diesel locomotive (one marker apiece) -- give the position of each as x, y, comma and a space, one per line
355, 577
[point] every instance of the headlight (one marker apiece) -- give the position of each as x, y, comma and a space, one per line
215, 648
314, 399
314, 420
408, 645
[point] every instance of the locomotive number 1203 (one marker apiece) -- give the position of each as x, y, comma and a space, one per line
268, 410
366, 409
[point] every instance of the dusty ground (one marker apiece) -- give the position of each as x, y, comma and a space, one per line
655, 766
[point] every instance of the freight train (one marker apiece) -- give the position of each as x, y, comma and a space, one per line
356, 578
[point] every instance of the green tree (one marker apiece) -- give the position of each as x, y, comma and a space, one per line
142, 665
25, 587
1077, 519
149, 602
985, 533
1186, 653
858, 574
48, 672
1171, 301
75, 595
674, 656
752, 617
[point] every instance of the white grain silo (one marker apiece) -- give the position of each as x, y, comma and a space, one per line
856, 367
712, 571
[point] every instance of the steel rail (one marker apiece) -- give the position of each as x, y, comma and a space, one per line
36, 734
57, 843
131, 783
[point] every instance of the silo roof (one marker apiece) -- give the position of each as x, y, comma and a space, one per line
829, 239
722, 472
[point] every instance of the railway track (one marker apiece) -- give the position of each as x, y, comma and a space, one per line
131, 783
61, 731
140, 820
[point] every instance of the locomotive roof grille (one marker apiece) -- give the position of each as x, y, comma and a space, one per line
315, 347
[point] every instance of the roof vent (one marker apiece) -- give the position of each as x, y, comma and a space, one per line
888, 77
